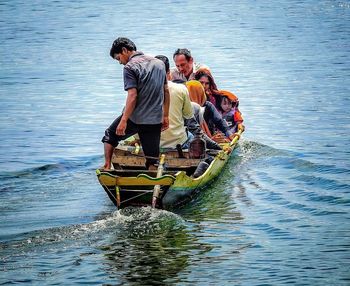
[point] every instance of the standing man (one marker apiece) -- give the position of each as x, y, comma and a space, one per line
185, 66
147, 104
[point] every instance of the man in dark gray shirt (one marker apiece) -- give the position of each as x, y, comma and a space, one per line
147, 104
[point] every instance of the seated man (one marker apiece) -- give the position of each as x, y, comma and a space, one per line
179, 109
185, 67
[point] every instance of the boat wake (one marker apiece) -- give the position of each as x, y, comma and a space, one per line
289, 180
129, 222
63, 166
254, 151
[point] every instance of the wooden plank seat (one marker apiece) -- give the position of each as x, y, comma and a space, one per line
131, 160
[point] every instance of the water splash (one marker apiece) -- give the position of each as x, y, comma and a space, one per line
136, 221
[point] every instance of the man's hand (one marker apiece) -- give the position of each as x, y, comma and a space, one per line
165, 123
121, 127
220, 137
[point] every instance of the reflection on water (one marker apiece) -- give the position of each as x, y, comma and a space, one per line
148, 249
138, 246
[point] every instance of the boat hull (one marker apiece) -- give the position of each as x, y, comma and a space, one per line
177, 185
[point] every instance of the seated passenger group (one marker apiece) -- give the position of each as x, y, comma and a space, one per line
213, 111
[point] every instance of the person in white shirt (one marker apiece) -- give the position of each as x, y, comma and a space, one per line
180, 108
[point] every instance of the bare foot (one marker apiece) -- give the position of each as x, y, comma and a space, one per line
107, 166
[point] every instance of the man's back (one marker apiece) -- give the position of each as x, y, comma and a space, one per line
147, 75
180, 108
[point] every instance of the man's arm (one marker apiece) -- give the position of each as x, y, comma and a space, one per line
129, 108
193, 127
166, 104
216, 117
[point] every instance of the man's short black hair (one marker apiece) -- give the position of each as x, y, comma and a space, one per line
165, 60
185, 52
121, 43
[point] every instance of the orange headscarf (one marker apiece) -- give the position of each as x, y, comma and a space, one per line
197, 95
229, 95
196, 91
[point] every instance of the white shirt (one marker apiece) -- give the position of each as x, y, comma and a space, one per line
180, 108
176, 75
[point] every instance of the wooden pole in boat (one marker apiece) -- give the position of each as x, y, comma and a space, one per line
137, 148
156, 189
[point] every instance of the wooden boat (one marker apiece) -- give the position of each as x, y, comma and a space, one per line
130, 184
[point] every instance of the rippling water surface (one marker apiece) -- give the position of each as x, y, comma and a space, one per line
279, 214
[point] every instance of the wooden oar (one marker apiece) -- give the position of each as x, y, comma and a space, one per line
156, 189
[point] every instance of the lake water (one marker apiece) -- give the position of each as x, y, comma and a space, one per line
279, 214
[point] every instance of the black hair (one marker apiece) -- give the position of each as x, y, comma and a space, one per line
179, 81
220, 100
185, 52
165, 60
121, 43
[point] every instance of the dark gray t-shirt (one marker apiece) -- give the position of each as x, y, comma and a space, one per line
147, 75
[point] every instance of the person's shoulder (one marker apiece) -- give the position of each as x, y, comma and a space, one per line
198, 66
174, 70
209, 104
133, 60
195, 106
138, 57
211, 108
157, 62
232, 111
176, 75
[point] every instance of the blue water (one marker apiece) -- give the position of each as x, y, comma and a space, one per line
278, 215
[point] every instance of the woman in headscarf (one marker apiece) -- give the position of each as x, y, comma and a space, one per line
204, 76
212, 119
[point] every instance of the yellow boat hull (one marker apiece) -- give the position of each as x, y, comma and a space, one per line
125, 188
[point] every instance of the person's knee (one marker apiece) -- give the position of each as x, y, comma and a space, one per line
110, 138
